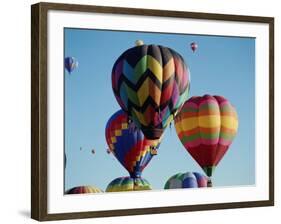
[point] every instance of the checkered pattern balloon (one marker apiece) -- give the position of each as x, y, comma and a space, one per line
128, 144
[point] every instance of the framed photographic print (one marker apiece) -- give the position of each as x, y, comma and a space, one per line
139, 111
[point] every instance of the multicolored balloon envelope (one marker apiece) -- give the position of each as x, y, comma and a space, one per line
150, 83
128, 184
206, 127
128, 144
186, 180
84, 190
70, 63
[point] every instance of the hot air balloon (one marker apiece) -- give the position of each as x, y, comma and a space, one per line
206, 126
193, 46
150, 83
93, 151
70, 63
139, 42
128, 184
186, 180
130, 147
83, 190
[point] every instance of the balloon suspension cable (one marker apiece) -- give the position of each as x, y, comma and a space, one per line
132, 126
159, 115
153, 150
173, 114
129, 121
136, 183
209, 183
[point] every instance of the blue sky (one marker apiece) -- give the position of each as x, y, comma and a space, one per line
221, 66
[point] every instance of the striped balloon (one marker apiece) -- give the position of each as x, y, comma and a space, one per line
128, 184
150, 83
84, 190
186, 180
128, 144
206, 127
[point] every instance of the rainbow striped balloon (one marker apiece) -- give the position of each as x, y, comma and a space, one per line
128, 184
206, 127
84, 190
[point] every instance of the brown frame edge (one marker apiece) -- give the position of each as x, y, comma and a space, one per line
39, 110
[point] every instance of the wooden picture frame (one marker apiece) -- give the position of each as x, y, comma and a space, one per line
39, 109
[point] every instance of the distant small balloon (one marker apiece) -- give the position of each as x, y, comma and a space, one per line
93, 151
70, 64
193, 46
139, 42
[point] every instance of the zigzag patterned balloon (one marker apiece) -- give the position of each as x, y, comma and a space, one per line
150, 83
129, 145
206, 127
